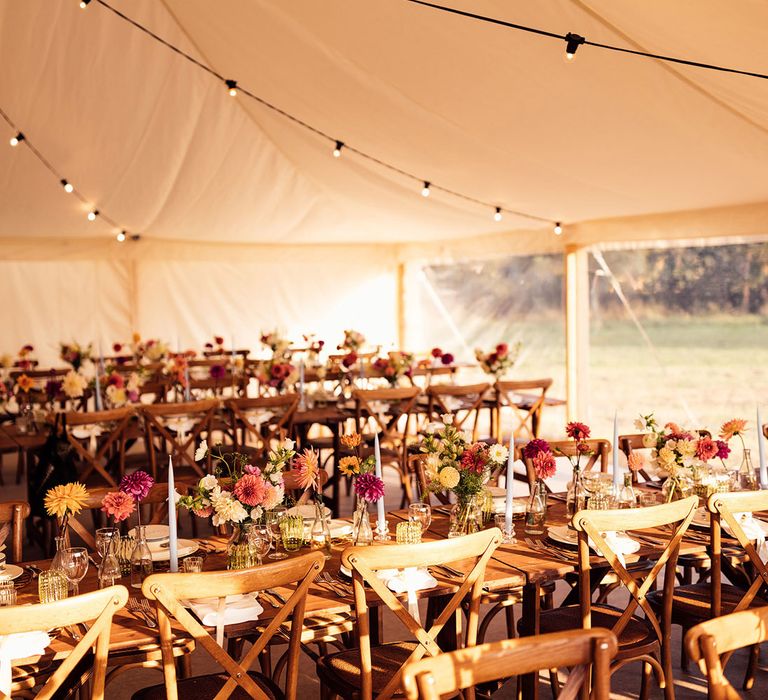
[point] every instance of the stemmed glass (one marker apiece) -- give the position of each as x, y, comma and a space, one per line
420, 513
75, 564
259, 541
274, 517
109, 568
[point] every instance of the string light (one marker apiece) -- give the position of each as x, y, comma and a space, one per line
572, 43
337, 150
68, 187
93, 214
425, 190
84, 4
16, 140
558, 229
121, 236
497, 216
232, 85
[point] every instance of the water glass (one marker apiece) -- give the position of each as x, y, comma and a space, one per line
408, 533
192, 565
52, 586
104, 537
74, 563
420, 513
7, 592
258, 539
274, 519
292, 531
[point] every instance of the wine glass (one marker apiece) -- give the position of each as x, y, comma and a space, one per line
259, 541
104, 537
75, 564
420, 513
274, 517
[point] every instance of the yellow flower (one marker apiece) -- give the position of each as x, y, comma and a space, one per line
66, 499
449, 477
352, 440
349, 466
25, 383
74, 385
666, 456
136, 337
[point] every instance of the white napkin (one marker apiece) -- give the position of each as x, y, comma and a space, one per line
92, 432
258, 417
754, 529
452, 403
620, 543
409, 581
237, 608
18, 646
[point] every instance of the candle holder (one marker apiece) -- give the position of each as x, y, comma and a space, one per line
507, 536
381, 534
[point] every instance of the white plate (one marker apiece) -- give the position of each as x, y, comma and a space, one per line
160, 551
153, 533
307, 511
518, 505
84, 432
561, 533
11, 571
701, 518
338, 528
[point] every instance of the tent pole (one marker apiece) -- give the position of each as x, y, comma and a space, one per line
400, 306
576, 330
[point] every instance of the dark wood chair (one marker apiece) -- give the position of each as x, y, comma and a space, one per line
463, 401
258, 438
14, 514
524, 401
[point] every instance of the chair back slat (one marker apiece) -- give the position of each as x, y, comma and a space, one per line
526, 417
442, 396
272, 430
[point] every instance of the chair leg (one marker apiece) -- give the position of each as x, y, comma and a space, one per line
645, 684
684, 661
749, 674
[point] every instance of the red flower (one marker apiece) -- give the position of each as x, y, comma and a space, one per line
535, 447
544, 465
217, 372
437, 352
706, 449
209, 346
722, 449
577, 431
502, 349
380, 364
349, 359
218, 340
250, 489
475, 458
116, 379
447, 359
117, 347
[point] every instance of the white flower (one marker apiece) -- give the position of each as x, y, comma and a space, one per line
276, 478
639, 424
208, 482
431, 428
447, 418
201, 451
498, 453
649, 440
73, 385
227, 509
288, 444
467, 437
256, 513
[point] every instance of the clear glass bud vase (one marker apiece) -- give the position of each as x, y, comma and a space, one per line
362, 534
321, 530
141, 558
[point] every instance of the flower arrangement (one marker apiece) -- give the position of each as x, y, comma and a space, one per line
25, 361
276, 373
368, 487
75, 354
445, 358
579, 433
539, 452
314, 348
353, 341
394, 366
74, 384
151, 350
276, 343
217, 344
120, 392
64, 501
238, 492
500, 360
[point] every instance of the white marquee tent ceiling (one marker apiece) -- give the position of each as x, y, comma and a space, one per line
484, 110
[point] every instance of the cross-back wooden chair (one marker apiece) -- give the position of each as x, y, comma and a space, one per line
261, 437
525, 413
629, 444
640, 639
598, 457
464, 402
168, 590
368, 670
582, 650
709, 641
103, 456
13, 514
392, 424
162, 441
88, 654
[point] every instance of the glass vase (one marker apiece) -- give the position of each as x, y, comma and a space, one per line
362, 534
465, 517
62, 543
747, 479
141, 558
576, 497
676, 488
320, 535
536, 509
240, 553
109, 569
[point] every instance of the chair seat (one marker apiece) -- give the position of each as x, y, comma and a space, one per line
638, 633
691, 603
205, 687
343, 668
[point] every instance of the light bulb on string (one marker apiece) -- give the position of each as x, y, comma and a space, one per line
498, 216
232, 85
572, 43
337, 150
121, 236
425, 189
68, 187
84, 4
16, 140
558, 229
93, 214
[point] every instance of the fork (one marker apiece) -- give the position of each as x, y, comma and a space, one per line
137, 609
544, 550
149, 612
335, 585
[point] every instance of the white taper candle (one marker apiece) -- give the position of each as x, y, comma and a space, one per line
381, 518
508, 506
761, 452
173, 533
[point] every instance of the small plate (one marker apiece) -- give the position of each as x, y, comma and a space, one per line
153, 533
518, 505
11, 571
161, 552
307, 511
563, 534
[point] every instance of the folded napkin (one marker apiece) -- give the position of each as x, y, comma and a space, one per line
258, 417
409, 581
754, 529
231, 610
452, 403
620, 543
18, 646
91, 432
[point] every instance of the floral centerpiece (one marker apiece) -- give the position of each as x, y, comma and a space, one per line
276, 373
217, 345
500, 360
63, 502
539, 453
26, 360
119, 391
369, 488
395, 366
444, 358
454, 463
75, 354
353, 341
152, 350
276, 343
74, 385
314, 348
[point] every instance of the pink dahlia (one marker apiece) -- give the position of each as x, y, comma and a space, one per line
475, 458
250, 469
534, 447
577, 431
722, 449
250, 489
544, 465
118, 505
706, 449
203, 512
447, 359
369, 487
137, 484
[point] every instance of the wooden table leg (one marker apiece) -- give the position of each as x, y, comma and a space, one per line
530, 627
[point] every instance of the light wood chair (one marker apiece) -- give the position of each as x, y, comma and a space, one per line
582, 650
708, 642
469, 397
634, 443
14, 514
640, 639
258, 440
168, 590
96, 609
526, 414
369, 670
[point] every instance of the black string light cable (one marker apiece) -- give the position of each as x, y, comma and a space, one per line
573, 41
338, 145
93, 213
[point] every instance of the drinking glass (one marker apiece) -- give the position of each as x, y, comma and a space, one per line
7, 592
192, 565
104, 536
408, 533
52, 586
75, 566
274, 518
292, 531
259, 542
420, 513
